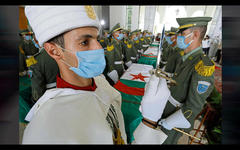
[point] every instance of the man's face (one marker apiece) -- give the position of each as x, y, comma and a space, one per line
174, 39
80, 39
133, 36
116, 34
185, 33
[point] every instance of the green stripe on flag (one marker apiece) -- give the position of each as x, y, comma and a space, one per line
135, 84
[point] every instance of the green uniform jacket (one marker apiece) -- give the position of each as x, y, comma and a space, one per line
43, 72
143, 42
189, 75
137, 44
164, 54
28, 47
130, 52
113, 55
173, 60
103, 41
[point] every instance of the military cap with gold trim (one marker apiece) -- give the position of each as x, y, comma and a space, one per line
25, 32
189, 22
115, 28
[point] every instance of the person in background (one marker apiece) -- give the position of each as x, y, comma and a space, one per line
206, 45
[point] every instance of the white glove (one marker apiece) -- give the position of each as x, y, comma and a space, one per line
155, 98
129, 63
145, 45
176, 120
113, 75
142, 51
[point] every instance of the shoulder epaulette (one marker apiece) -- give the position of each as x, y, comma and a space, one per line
110, 48
204, 70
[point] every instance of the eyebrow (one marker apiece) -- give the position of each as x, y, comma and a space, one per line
84, 37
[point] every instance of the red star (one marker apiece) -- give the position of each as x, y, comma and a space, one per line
139, 76
150, 53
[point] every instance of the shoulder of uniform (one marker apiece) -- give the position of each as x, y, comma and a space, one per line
205, 66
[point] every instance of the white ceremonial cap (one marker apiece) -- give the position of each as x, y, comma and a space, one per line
48, 22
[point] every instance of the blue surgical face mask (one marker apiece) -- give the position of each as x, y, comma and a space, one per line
136, 38
180, 41
27, 37
168, 39
91, 63
120, 36
108, 35
140, 35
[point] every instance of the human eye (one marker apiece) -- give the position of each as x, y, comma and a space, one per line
84, 43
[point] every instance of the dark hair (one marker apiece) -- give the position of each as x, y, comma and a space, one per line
58, 40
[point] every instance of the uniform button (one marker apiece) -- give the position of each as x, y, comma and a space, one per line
38, 105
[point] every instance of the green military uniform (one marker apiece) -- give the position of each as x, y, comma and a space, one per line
103, 41
195, 82
114, 54
167, 49
129, 50
26, 48
172, 60
44, 74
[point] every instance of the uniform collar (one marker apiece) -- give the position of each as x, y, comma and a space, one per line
63, 84
184, 57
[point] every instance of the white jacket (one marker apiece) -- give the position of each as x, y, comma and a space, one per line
68, 116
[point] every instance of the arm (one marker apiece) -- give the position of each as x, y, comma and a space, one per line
199, 89
153, 103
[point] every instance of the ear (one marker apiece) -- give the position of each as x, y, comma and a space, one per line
196, 34
54, 51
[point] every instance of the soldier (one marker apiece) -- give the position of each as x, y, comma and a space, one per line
26, 51
137, 43
175, 53
171, 40
84, 108
165, 45
104, 40
194, 77
130, 51
143, 41
114, 54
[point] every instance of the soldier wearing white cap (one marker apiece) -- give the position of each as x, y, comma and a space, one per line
84, 108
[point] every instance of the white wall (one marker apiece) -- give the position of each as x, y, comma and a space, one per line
135, 18
117, 15
149, 18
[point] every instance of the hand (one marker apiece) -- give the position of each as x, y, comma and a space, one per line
113, 75
128, 64
155, 98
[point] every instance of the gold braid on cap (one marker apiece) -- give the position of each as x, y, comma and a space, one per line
203, 70
90, 12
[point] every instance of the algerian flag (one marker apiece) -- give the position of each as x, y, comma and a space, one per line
149, 57
152, 51
131, 86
